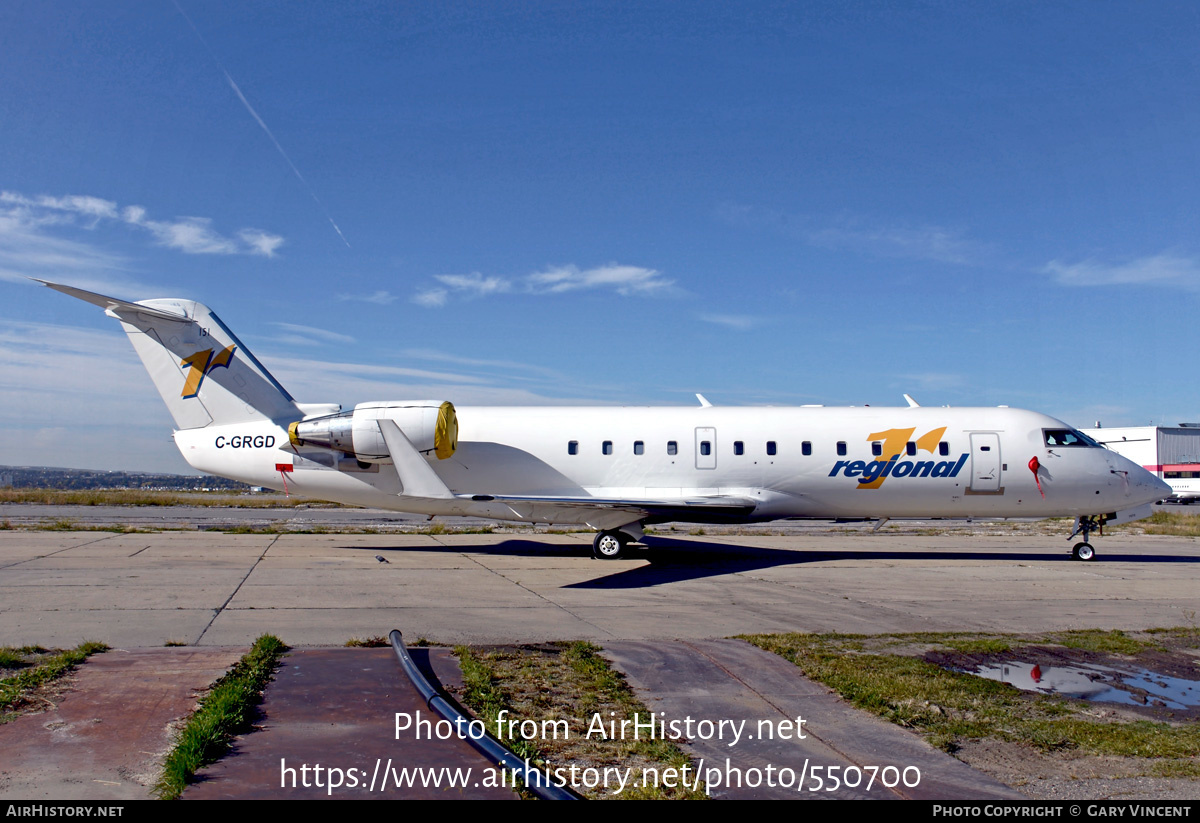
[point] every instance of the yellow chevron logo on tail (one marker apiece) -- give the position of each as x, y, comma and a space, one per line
200, 364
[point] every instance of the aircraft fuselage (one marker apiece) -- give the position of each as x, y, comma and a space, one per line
858, 462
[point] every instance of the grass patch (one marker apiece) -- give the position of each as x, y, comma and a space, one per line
1094, 640
950, 708
227, 710
13, 659
376, 642
1164, 522
485, 696
40, 667
564, 687
66, 524
242, 529
1176, 768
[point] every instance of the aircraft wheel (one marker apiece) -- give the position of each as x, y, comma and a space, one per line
1083, 551
609, 545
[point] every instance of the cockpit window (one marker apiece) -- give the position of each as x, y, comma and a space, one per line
1068, 437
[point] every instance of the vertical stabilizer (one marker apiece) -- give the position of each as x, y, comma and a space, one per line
203, 372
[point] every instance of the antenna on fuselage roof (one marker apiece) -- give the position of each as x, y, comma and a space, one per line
704, 404
912, 404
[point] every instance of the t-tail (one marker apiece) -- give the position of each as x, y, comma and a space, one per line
204, 373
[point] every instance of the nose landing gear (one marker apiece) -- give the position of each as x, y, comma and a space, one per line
1085, 525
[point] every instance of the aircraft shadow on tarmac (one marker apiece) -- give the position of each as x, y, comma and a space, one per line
670, 560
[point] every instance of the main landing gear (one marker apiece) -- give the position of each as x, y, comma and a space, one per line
1085, 525
609, 545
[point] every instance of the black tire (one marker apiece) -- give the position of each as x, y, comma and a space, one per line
609, 545
1083, 551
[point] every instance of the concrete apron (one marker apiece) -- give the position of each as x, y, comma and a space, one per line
756, 692
105, 735
335, 708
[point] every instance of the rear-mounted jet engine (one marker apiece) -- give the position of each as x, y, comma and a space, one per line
430, 425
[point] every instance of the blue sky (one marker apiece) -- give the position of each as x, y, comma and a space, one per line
788, 203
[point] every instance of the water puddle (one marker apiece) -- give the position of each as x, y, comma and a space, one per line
1107, 684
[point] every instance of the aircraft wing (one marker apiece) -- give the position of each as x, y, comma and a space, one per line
421, 481
601, 513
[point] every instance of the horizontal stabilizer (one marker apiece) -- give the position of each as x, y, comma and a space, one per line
112, 305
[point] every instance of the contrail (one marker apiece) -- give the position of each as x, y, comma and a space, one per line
262, 123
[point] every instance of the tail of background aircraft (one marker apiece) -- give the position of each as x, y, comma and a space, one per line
203, 372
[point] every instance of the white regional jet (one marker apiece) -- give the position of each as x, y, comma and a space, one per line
618, 469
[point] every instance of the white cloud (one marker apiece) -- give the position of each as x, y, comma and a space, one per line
379, 298
624, 280
25, 249
28, 216
474, 284
884, 239
927, 242
191, 235
1159, 270
80, 398
261, 242
351, 383
306, 334
490, 365
431, 298
742, 322
80, 204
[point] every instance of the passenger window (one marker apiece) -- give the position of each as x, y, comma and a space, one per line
771, 447
672, 447
607, 447
806, 448
573, 447
739, 447
877, 449
639, 447
910, 448
841, 448
705, 447
943, 448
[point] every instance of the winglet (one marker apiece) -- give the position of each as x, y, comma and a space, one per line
912, 404
704, 404
416, 475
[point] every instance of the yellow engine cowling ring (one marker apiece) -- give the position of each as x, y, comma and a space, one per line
445, 435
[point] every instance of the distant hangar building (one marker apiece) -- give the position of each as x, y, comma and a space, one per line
1172, 453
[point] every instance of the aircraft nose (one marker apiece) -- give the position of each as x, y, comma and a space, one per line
1152, 488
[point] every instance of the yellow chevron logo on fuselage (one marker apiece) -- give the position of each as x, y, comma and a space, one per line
887, 463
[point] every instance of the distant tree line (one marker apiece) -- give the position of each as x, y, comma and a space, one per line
41, 477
